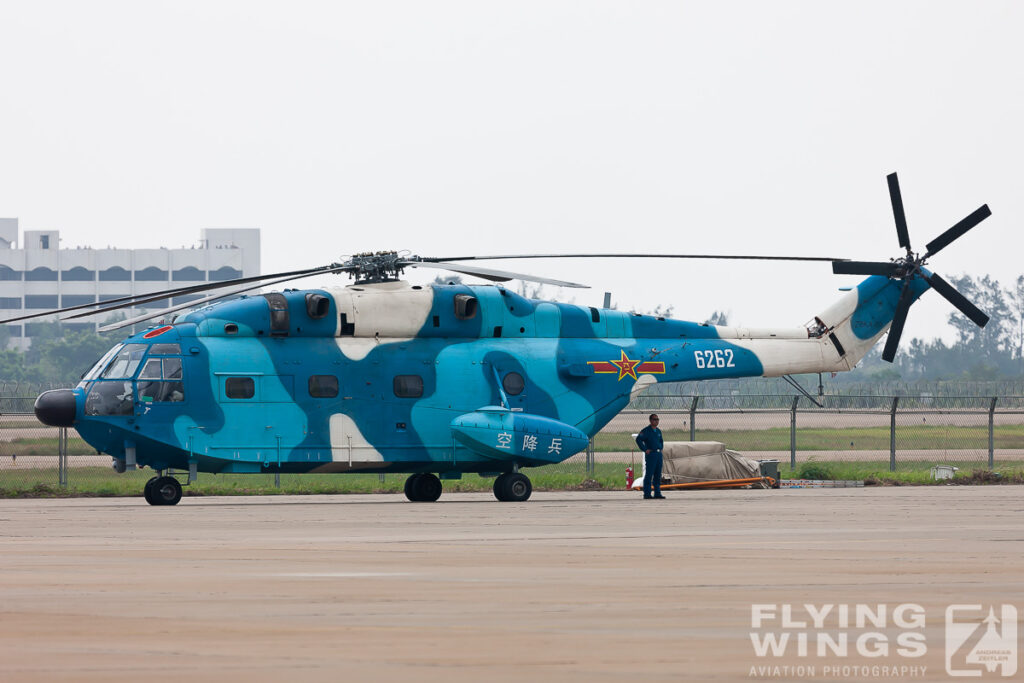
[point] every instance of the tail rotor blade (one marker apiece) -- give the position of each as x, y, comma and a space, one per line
943, 240
898, 321
897, 210
863, 268
950, 294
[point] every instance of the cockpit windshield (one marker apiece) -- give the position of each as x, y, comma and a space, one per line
126, 362
94, 371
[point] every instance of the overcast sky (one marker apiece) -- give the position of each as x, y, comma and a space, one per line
472, 127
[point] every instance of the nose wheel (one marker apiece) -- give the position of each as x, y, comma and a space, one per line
162, 491
423, 488
512, 487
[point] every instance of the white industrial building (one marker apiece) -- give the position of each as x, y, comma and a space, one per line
37, 274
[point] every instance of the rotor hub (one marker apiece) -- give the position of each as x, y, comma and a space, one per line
376, 266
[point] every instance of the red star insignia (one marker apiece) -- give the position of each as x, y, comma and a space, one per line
626, 366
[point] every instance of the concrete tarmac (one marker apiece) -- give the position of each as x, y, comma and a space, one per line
587, 586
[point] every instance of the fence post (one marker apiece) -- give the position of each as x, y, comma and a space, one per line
991, 433
590, 457
792, 434
62, 457
693, 418
892, 434
277, 472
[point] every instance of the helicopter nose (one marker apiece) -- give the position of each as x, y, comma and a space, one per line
56, 407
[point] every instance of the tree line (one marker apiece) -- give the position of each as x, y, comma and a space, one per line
56, 356
993, 352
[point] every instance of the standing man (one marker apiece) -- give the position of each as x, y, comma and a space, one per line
651, 442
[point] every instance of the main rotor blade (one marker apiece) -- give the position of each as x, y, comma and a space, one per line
158, 296
754, 257
191, 304
864, 268
491, 274
898, 321
948, 292
897, 210
163, 294
943, 240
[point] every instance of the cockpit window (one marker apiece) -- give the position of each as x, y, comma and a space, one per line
109, 398
165, 350
165, 391
160, 380
94, 371
161, 392
172, 368
126, 363
151, 370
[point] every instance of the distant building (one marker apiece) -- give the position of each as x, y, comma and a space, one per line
38, 275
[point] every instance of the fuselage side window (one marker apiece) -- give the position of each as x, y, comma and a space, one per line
513, 384
408, 386
239, 387
323, 386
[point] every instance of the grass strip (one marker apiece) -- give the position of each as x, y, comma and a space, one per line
913, 437
104, 482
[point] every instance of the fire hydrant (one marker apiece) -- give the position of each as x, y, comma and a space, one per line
629, 477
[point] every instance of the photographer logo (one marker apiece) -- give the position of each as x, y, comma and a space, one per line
980, 640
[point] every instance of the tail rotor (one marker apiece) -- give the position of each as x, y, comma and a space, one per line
910, 265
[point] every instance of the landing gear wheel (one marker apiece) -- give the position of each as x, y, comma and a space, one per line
147, 491
499, 487
512, 487
423, 488
517, 487
410, 486
166, 491
427, 488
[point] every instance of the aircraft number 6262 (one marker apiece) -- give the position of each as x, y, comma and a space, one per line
719, 358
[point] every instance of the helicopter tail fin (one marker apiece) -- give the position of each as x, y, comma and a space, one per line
855, 322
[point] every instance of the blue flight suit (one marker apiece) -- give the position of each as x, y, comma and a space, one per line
650, 438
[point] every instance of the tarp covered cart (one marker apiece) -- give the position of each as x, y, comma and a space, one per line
709, 464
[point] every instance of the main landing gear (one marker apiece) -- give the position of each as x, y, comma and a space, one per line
512, 487
423, 488
162, 490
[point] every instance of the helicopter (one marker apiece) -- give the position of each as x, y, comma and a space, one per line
434, 381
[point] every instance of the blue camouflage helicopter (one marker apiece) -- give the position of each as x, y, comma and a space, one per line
435, 380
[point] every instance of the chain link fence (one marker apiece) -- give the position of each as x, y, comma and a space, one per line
878, 432
864, 432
